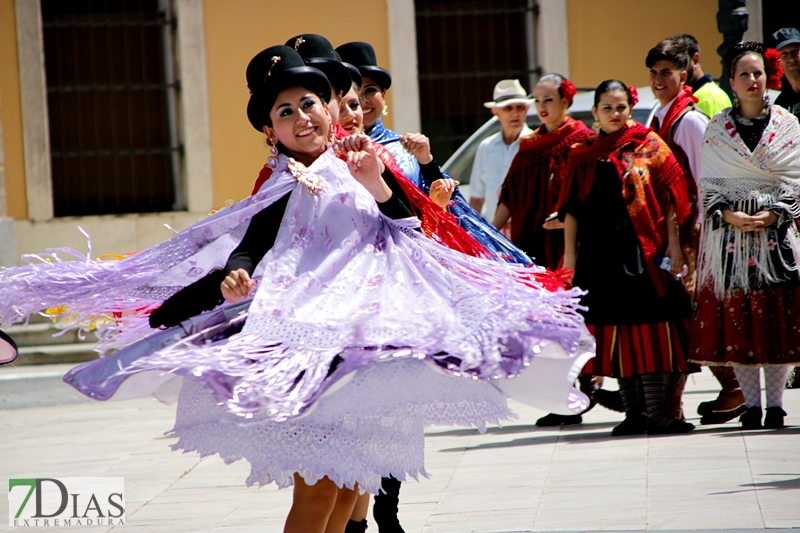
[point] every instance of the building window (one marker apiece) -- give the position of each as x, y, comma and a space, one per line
464, 47
111, 94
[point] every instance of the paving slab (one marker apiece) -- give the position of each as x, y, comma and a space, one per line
512, 479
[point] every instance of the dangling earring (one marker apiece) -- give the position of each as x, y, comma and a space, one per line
332, 140
766, 99
385, 110
735, 100
272, 160
596, 126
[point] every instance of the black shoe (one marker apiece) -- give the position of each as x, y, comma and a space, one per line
705, 408
356, 527
632, 425
385, 508
721, 417
774, 418
670, 426
751, 419
610, 399
559, 420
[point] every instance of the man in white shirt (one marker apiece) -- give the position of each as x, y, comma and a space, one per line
682, 128
496, 152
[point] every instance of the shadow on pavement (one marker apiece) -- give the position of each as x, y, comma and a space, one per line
786, 484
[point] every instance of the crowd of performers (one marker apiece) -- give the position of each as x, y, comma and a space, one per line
317, 327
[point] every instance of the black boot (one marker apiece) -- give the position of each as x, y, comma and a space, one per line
610, 399
559, 420
774, 418
751, 419
721, 417
356, 527
634, 424
385, 509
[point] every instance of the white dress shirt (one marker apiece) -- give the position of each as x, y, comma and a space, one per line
492, 161
688, 134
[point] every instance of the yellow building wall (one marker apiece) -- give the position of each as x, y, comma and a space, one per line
11, 115
611, 38
235, 32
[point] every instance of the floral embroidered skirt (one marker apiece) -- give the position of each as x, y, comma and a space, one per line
632, 350
760, 327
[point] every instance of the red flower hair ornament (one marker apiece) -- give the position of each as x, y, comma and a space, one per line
568, 90
772, 64
634, 95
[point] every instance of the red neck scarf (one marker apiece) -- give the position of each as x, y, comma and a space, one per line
684, 99
528, 191
650, 181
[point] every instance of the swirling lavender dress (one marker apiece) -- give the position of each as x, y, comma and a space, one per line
361, 333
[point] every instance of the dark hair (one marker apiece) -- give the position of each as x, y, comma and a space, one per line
556, 79
612, 85
739, 50
668, 50
688, 42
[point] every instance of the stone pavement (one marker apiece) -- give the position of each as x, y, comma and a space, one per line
517, 478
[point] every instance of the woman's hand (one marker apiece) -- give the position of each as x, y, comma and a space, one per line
552, 222
678, 258
442, 190
418, 145
746, 222
237, 286
767, 217
364, 165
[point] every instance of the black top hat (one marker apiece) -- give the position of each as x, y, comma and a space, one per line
273, 70
362, 55
785, 36
318, 52
8, 349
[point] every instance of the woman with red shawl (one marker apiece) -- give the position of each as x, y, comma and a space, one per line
624, 204
530, 192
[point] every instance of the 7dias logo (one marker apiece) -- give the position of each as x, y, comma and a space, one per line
72, 501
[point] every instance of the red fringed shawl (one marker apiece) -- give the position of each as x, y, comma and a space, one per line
528, 190
682, 101
650, 180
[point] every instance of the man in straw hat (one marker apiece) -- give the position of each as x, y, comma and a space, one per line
496, 152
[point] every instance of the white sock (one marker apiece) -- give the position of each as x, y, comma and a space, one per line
750, 381
775, 380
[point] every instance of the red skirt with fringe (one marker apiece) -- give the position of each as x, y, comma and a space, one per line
633, 350
760, 327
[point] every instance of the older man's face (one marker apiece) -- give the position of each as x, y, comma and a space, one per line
790, 59
512, 117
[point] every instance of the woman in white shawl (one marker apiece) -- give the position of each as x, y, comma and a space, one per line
749, 289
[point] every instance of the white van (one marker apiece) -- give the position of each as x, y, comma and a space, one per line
459, 165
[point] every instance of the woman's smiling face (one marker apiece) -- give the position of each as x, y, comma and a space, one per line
372, 102
351, 117
301, 123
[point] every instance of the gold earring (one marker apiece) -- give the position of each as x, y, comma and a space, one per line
272, 159
385, 110
596, 126
735, 100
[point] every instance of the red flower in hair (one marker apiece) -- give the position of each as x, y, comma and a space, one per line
568, 89
634, 95
772, 64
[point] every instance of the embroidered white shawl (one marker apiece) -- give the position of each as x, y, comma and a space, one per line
766, 179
